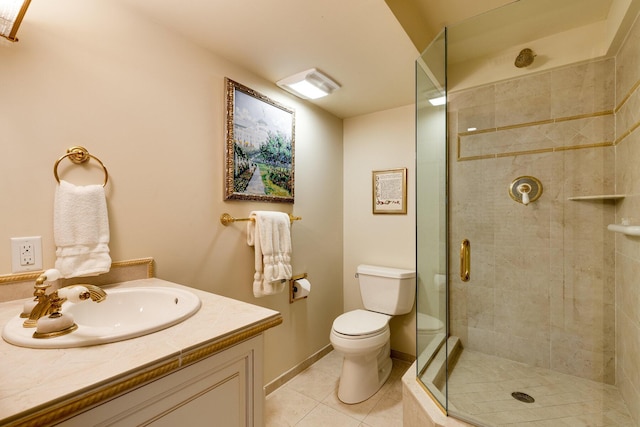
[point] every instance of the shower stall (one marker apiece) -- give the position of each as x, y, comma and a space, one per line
528, 309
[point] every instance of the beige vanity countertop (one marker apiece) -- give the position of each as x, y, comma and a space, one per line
40, 385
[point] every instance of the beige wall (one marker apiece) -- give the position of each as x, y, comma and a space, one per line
150, 105
378, 141
627, 253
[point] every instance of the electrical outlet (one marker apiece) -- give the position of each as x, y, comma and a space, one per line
26, 254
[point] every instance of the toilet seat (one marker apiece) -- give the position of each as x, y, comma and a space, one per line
428, 324
359, 324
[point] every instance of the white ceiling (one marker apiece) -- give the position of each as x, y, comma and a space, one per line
360, 43
523, 23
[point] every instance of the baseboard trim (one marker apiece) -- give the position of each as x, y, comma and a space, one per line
291, 373
406, 357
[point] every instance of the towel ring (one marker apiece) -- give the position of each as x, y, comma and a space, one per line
79, 155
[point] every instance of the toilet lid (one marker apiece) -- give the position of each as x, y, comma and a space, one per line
360, 322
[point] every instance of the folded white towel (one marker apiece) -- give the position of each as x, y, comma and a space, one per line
270, 235
81, 230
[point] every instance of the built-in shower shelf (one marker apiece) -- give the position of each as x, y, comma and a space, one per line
599, 197
629, 230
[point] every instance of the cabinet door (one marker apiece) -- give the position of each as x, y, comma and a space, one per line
222, 402
223, 390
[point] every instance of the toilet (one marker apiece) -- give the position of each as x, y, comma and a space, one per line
362, 336
428, 328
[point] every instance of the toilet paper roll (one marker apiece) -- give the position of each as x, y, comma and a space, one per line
302, 288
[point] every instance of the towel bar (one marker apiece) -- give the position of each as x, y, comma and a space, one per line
79, 155
227, 219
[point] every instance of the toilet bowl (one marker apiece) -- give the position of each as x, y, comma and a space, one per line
362, 336
428, 328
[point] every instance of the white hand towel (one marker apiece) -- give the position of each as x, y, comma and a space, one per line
81, 230
270, 235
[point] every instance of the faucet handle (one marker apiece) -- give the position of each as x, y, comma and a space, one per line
74, 293
52, 274
48, 276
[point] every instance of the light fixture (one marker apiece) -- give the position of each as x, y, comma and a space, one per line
11, 14
309, 84
441, 100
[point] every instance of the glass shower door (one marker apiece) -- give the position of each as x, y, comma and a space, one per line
534, 334
431, 217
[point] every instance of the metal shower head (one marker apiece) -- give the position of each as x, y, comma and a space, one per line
525, 58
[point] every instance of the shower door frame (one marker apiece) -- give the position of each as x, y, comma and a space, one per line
437, 78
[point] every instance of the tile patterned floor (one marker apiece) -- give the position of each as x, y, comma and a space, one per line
310, 399
481, 385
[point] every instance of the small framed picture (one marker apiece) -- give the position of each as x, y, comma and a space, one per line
390, 191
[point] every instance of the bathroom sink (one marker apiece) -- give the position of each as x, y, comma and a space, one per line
126, 313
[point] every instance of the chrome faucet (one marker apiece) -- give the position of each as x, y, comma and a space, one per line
47, 307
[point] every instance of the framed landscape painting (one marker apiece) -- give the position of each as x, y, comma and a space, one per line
260, 146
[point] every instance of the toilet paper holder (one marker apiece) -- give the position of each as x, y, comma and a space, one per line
292, 287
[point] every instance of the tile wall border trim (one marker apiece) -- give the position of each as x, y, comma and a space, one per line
536, 151
538, 123
636, 125
626, 98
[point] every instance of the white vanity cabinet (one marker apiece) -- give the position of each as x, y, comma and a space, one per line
222, 390
204, 371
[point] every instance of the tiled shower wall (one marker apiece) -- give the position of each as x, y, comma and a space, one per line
628, 248
549, 282
542, 287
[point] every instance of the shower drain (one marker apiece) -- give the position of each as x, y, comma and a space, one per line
522, 397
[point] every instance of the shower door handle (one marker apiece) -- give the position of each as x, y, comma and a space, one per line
465, 260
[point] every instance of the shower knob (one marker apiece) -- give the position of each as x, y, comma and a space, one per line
525, 189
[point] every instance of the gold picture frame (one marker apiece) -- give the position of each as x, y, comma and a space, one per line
260, 146
389, 191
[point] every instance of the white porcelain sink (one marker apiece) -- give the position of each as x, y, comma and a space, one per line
126, 313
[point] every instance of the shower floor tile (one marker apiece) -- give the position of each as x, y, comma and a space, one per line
480, 386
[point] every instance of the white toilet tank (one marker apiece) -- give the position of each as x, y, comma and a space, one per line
387, 290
